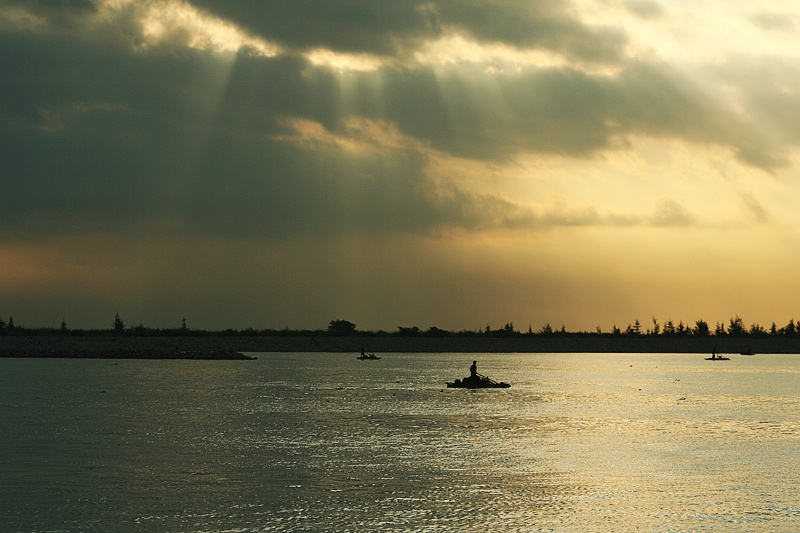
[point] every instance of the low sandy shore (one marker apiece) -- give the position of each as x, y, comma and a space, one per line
240, 347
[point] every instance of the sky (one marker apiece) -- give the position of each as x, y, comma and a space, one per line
433, 163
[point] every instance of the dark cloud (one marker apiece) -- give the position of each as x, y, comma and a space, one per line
127, 142
395, 28
765, 91
49, 7
546, 25
646, 9
473, 114
759, 157
770, 21
756, 209
382, 28
115, 139
671, 213
62, 16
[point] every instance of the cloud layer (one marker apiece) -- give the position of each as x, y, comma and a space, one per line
304, 119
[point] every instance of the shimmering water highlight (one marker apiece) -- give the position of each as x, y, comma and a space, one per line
324, 442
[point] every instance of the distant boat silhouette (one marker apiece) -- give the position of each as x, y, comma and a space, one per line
370, 356
715, 357
748, 352
477, 382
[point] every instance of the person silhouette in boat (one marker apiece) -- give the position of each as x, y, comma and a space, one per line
473, 371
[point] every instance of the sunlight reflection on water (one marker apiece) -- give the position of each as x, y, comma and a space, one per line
323, 442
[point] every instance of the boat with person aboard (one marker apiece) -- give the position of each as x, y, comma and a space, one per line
717, 357
367, 356
477, 381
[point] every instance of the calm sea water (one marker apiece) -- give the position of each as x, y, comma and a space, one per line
324, 442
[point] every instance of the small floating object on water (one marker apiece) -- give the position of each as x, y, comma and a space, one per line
716, 357
477, 382
369, 356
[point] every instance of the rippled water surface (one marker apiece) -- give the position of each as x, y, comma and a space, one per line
324, 442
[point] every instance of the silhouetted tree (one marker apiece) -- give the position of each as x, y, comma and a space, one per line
701, 328
119, 325
341, 327
736, 327
413, 331
508, 330
3, 326
344, 327
433, 331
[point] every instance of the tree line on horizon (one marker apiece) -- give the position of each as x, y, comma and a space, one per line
735, 328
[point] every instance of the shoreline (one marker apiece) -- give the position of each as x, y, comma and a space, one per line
237, 347
117, 348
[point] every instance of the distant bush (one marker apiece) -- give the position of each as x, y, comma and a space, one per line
341, 327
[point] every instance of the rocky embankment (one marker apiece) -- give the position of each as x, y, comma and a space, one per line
119, 347
238, 347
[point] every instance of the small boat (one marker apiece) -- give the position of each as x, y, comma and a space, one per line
748, 352
477, 382
368, 356
715, 357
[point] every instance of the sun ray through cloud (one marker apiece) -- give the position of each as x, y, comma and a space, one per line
576, 149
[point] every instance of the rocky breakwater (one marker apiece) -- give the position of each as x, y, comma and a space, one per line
119, 347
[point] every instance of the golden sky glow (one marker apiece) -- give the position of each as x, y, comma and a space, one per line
431, 163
